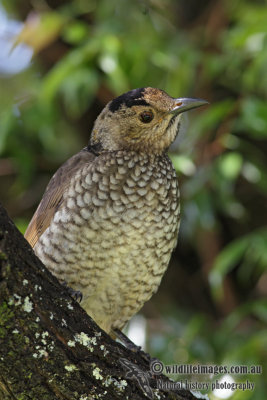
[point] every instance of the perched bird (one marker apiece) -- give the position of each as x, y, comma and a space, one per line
108, 221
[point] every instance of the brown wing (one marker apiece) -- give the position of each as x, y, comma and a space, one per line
53, 195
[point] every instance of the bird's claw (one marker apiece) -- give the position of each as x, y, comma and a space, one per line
75, 294
130, 345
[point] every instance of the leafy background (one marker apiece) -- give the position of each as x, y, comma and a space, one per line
61, 61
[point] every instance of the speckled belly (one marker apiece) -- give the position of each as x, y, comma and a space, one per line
113, 237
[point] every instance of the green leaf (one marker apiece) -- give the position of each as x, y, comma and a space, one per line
226, 260
183, 163
230, 165
252, 245
253, 118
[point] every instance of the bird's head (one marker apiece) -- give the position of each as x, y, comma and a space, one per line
143, 120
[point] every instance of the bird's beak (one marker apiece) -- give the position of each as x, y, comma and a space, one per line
185, 104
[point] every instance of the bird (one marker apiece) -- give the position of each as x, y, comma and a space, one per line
109, 218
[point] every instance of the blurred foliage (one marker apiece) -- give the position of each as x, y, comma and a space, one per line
88, 51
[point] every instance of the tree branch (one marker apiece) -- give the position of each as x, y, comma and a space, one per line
50, 348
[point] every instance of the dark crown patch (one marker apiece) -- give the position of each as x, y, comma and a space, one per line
129, 99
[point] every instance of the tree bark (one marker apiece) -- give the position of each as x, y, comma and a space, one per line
50, 348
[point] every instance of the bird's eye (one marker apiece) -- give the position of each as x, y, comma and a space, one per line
146, 116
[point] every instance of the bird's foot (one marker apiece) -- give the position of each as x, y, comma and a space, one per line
131, 345
75, 294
